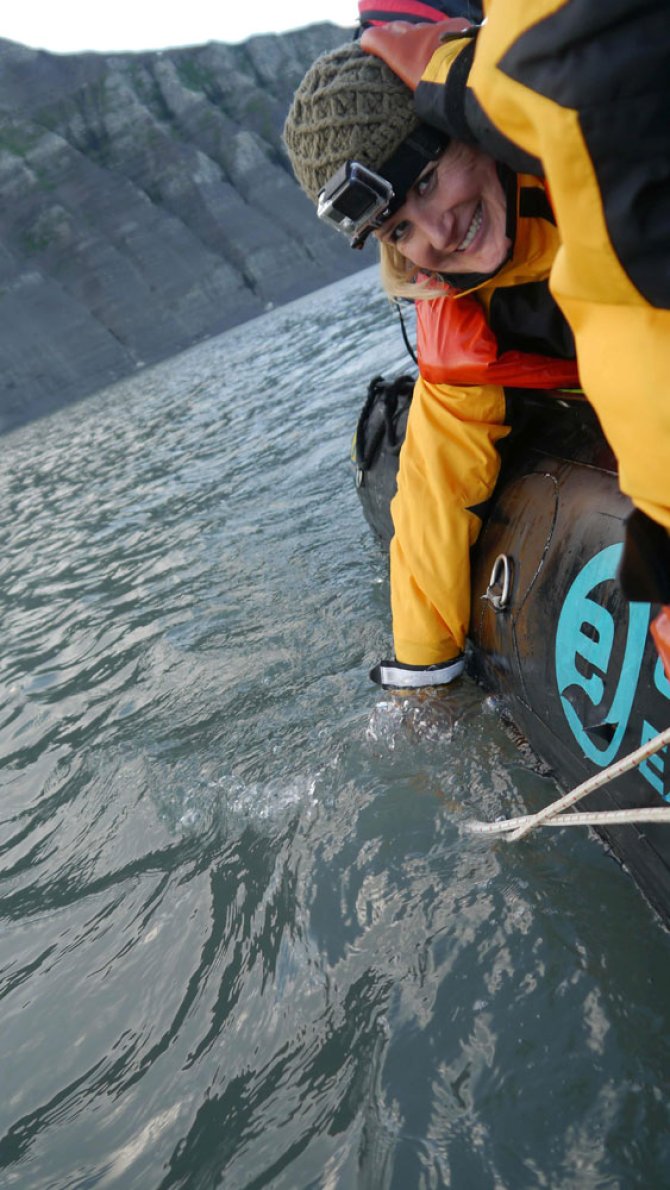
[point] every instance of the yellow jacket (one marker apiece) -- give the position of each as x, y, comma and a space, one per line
584, 89
589, 96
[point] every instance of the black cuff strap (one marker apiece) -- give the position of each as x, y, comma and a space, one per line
454, 95
443, 104
393, 675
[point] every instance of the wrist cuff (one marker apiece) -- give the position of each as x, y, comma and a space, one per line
396, 676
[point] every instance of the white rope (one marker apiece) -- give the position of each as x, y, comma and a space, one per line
579, 818
517, 828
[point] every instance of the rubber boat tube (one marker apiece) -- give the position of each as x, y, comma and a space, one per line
550, 632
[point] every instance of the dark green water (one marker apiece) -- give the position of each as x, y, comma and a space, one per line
243, 940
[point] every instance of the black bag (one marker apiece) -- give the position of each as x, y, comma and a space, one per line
379, 435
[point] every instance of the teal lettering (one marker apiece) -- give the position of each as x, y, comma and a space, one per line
585, 638
655, 762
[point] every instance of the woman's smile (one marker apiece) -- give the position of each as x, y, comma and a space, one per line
474, 227
454, 218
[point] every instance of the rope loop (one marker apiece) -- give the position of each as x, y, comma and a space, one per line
518, 828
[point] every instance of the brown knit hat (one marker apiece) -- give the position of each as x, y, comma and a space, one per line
349, 106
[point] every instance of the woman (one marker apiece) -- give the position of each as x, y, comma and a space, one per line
473, 243
584, 88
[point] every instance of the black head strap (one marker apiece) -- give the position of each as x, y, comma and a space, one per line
404, 166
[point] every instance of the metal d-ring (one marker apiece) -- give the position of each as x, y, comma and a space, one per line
498, 591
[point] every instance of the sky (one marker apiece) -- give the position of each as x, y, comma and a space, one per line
67, 26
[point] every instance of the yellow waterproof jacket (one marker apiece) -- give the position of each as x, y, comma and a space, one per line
584, 88
449, 462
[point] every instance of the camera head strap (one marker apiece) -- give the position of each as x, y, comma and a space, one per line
357, 200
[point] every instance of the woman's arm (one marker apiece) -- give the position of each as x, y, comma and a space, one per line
449, 465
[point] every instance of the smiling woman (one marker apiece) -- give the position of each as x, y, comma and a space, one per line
473, 243
454, 218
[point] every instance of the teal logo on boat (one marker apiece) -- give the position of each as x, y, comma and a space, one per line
597, 701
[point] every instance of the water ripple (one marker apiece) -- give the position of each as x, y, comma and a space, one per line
243, 941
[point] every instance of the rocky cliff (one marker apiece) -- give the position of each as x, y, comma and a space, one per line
146, 203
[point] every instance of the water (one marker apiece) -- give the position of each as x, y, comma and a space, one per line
243, 940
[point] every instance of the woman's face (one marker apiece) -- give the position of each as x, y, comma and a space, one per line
454, 217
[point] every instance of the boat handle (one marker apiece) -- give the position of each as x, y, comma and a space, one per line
501, 578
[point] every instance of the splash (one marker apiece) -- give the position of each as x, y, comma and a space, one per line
232, 803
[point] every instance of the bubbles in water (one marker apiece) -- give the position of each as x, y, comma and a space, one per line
428, 716
234, 803
269, 801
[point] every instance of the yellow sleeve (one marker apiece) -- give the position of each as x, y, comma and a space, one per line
610, 275
449, 465
444, 58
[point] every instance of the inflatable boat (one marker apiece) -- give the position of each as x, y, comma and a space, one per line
550, 632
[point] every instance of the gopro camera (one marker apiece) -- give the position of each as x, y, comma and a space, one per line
354, 201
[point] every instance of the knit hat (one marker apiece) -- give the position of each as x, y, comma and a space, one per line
349, 106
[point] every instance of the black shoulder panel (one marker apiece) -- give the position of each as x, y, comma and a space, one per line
526, 318
534, 204
610, 62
